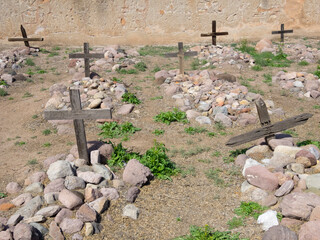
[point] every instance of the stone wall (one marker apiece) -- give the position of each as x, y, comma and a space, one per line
137, 22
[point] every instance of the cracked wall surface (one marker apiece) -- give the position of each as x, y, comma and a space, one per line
137, 22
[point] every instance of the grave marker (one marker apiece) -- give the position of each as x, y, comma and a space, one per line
214, 33
77, 115
181, 54
86, 55
25, 38
268, 129
282, 32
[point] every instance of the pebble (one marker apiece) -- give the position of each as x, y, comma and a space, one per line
131, 211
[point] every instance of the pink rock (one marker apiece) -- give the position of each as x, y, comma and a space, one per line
49, 160
64, 213
56, 185
91, 194
264, 43
261, 177
90, 177
246, 119
191, 114
24, 231
132, 194
241, 160
6, 235
21, 199
315, 214
36, 177
55, 231
86, 214
105, 149
310, 231
161, 76
136, 174
299, 204
125, 109
307, 154
70, 199
171, 89
311, 85
314, 94
110, 193
13, 187
285, 188
291, 222
279, 232
280, 142
70, 226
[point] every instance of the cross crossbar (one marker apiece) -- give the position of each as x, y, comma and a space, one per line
181, 54
77, 115
86, 56
25, 38
267, 129
282, 32
214, 33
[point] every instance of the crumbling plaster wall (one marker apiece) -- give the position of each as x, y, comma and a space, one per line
137, 22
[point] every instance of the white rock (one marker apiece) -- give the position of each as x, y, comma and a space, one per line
250, 163
131, 211
268, 219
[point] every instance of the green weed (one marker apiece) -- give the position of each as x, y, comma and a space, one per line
3, 92
214, 174
46, 132
291, 132
219, 126
171, 116
211, 134
156, 69
41, 71
3, 83
307, 142
19, 143
235, 223
56, 48
216, 154
204, 160
141, 66
35, 116
130, 98
47, 144
115, 130
188, 171
2, 195
42, 50
32, 162
194, 130
158, 132
317, 72
156, 50
251, 209
156, 98
267, 78
27, 95
194, 151
303, 63
196, 64
29, 62
53, 54
316, 107
30, 72
125, 71
257, 68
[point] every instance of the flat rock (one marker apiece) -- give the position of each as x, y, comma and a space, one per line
268, 219
95, 103
279, 232
125, 109
35, 219
258, 152
31, 207
36, 177
64, 213
261, 177
56, 185
73, 182
36, 187
283, 155
315, 214
25, 231
250, 163
100, 205
90, 177
102, 170
60, 169
86, 214
313, 181
71, 226
6, 235
91, 194
49, 211
310, 230
47, 162
269, 201
43, 230
70, 199
203, 120
136, 174
14, 219
110, 193
21, 199
13, 187
55, 231
285, 188
51, 197
223, 119
131, 211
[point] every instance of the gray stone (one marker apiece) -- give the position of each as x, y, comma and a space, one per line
55, 186
55, 231
36, 187
95, 103
100, 205
223, 119
14, 219
131, 211
269, 201
258, 194
95, 157
86, 214
285, 188
31, 207
25, 231
125, 109
70, 199
203, 120
21, 199
313, 181
35, 219
51, 197
73, 182
102, 170
6, 235
43, 230
52, 159
90, 177
110, 193
132, 194
250, 163
13, 187
49, 211
218, 109
89, 229
204, 106
258, 152
136, 174
77, 236
64, 213
71, 226
60, 169
279, 232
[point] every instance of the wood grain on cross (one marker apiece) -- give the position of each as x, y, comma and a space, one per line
282, 32
267, 129
77, 114
24, 38
181, 54
86, 55
214, 33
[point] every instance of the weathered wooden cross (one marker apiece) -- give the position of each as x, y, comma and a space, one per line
268, 129
25, 38
86, 55
214, 33
181, 54
77, 115
282, 32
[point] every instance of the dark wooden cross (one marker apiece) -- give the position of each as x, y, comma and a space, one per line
282, 32
214, 33
25, 38
77, 115
268, 129
181, 54
86, 55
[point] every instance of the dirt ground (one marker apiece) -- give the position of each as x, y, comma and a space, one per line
168, 208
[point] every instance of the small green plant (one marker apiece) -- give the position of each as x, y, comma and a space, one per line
32, 162
35, 116
115, 130
156, 69
47, 144
235, 153
171, 116
257, 68
27, 95
196, 64
194, 151
56, 48
30, 72
125, 71
2, 195
316, 107
158, 132
216, 154
130, 98
46, 132
194, 130
317, 72
228, 159
42, 50
307, 142
204, 160
19, 143
3, 92
43, 89
156, 98
291, 132
235, 223
207, 233
53, 54
250, 209
41, 71
29, 62
188, 171
303, 63
267, 78
211, 134
141, 66
214, 174
116, 80
3, 83
10, 98
219, 126
178, 219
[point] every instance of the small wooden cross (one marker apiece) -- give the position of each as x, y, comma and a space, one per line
181, 54
86, 55
268, 129
25, 38
282, 32
77, 115
214, 33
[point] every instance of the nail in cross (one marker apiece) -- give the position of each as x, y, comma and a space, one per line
86, 55
77, 115
282, 32
25, 38
181, 54
268, 129
214, 33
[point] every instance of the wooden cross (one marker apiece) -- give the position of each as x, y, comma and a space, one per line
77, 115
267, 129
86, 55
214, 33
181, 54
25, 38
282, 32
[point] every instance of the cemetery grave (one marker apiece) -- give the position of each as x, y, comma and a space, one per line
192, 114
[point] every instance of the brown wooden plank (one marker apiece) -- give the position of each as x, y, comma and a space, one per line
269, 130
171, 55
25, 39
78, 114
279, 32
89, 55
24, 35
213, 34
189, 54
262, 112
86, 60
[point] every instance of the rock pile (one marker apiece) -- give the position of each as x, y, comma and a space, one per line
286, 178
300, 52
70, 196
209, 95
302, 83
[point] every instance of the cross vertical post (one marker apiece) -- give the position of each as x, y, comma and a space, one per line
214, 33
86, 60
25, 38
24, 35
282, 32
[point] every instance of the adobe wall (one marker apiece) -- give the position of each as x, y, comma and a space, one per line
139, 22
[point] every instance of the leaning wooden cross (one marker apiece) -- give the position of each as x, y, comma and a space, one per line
77, 115
214, 33
268, 129
86, 55
25, 38
282, 32
181, 54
